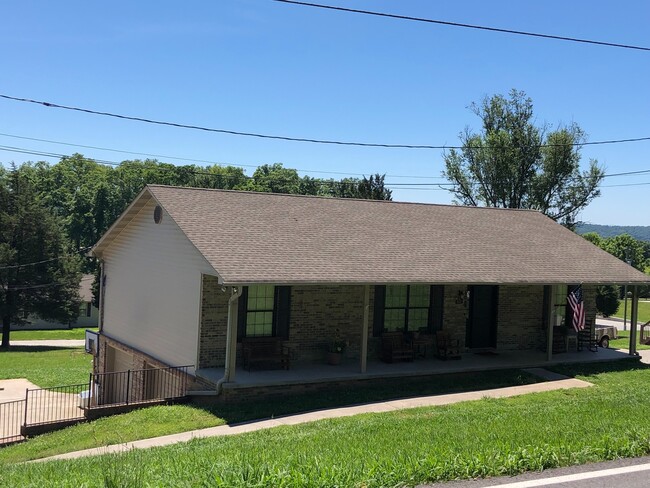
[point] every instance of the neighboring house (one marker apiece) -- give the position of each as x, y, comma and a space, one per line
190, 273
88, 313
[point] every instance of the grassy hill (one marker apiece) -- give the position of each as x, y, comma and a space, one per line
639, 232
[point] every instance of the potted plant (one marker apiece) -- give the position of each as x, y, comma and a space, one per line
335, 349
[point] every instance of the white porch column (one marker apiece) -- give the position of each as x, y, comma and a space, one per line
233, 310
364, 330
549, 323
634, 319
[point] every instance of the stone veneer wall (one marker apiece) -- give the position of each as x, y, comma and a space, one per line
589, 297
317, 311
139, 360
454, 315
520, 318
214, 322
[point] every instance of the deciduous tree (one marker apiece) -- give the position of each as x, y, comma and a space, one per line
513, 163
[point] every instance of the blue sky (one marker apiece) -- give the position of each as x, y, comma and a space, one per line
267, 67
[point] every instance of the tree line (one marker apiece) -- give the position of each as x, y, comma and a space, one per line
50, 214
628, 249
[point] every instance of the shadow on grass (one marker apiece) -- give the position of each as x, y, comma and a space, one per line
591, 369
386, 390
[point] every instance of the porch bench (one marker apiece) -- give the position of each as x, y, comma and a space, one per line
395, 347
264, 350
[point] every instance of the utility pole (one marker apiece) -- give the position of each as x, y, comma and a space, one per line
628, 260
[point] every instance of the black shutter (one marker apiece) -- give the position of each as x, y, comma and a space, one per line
241, 314
378, 315
437, 294
546, 303
282, 311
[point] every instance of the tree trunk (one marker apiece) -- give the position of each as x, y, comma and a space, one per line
6, 326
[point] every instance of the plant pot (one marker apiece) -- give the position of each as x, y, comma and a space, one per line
334, 358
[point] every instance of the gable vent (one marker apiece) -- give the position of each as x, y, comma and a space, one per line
157, 214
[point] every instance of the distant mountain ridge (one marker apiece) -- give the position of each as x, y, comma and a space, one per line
640, 232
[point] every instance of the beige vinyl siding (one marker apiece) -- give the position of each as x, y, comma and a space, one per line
153, 289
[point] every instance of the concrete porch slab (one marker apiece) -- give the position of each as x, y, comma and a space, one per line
306, 373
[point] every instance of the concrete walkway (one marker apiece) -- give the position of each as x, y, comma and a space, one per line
558, 383
51, 343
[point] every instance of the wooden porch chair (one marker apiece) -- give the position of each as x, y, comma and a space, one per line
395, 347
447, 347
586, 337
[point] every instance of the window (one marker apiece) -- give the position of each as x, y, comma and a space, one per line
408, 308
264, 311
89, 309
259, 310
559, 294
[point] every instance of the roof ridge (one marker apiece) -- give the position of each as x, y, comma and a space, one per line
323, 197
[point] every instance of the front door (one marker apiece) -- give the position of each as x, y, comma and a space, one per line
482, 323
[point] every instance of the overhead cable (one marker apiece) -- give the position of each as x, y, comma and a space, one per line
467, 26
299, 139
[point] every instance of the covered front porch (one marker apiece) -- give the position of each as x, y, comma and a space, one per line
349, 371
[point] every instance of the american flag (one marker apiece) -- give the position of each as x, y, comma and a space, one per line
577, 305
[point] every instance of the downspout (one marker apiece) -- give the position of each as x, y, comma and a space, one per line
231, 329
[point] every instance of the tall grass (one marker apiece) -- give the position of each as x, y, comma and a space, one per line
488, 437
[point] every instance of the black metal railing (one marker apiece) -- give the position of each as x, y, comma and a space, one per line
138, 386
11, 419
53, 405
59, 405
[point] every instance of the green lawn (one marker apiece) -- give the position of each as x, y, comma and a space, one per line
45, 366
644, 310
34, 335
148, 422
489, 437
623, 342
145, 423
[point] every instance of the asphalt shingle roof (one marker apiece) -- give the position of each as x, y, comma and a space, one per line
262, 237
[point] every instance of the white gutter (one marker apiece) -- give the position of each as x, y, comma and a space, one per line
231, 329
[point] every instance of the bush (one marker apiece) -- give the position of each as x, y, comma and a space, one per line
607, 300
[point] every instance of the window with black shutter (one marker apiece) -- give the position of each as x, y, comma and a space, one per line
264, 311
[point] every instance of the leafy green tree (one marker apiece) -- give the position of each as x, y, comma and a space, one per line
607, 300
275, 179
38, 274
513, 163
627, 248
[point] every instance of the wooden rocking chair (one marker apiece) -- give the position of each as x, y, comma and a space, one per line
447, 347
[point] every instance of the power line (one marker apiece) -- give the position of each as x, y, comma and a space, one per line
325, 183
43, 285
301, 139
205, 161
467, 26
35, 263
389, 185
626, 184
628, 173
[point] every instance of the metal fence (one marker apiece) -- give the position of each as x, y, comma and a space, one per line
56, 404
61, 405
138, 386
11, 419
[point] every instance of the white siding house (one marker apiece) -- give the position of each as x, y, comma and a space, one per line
152, 288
